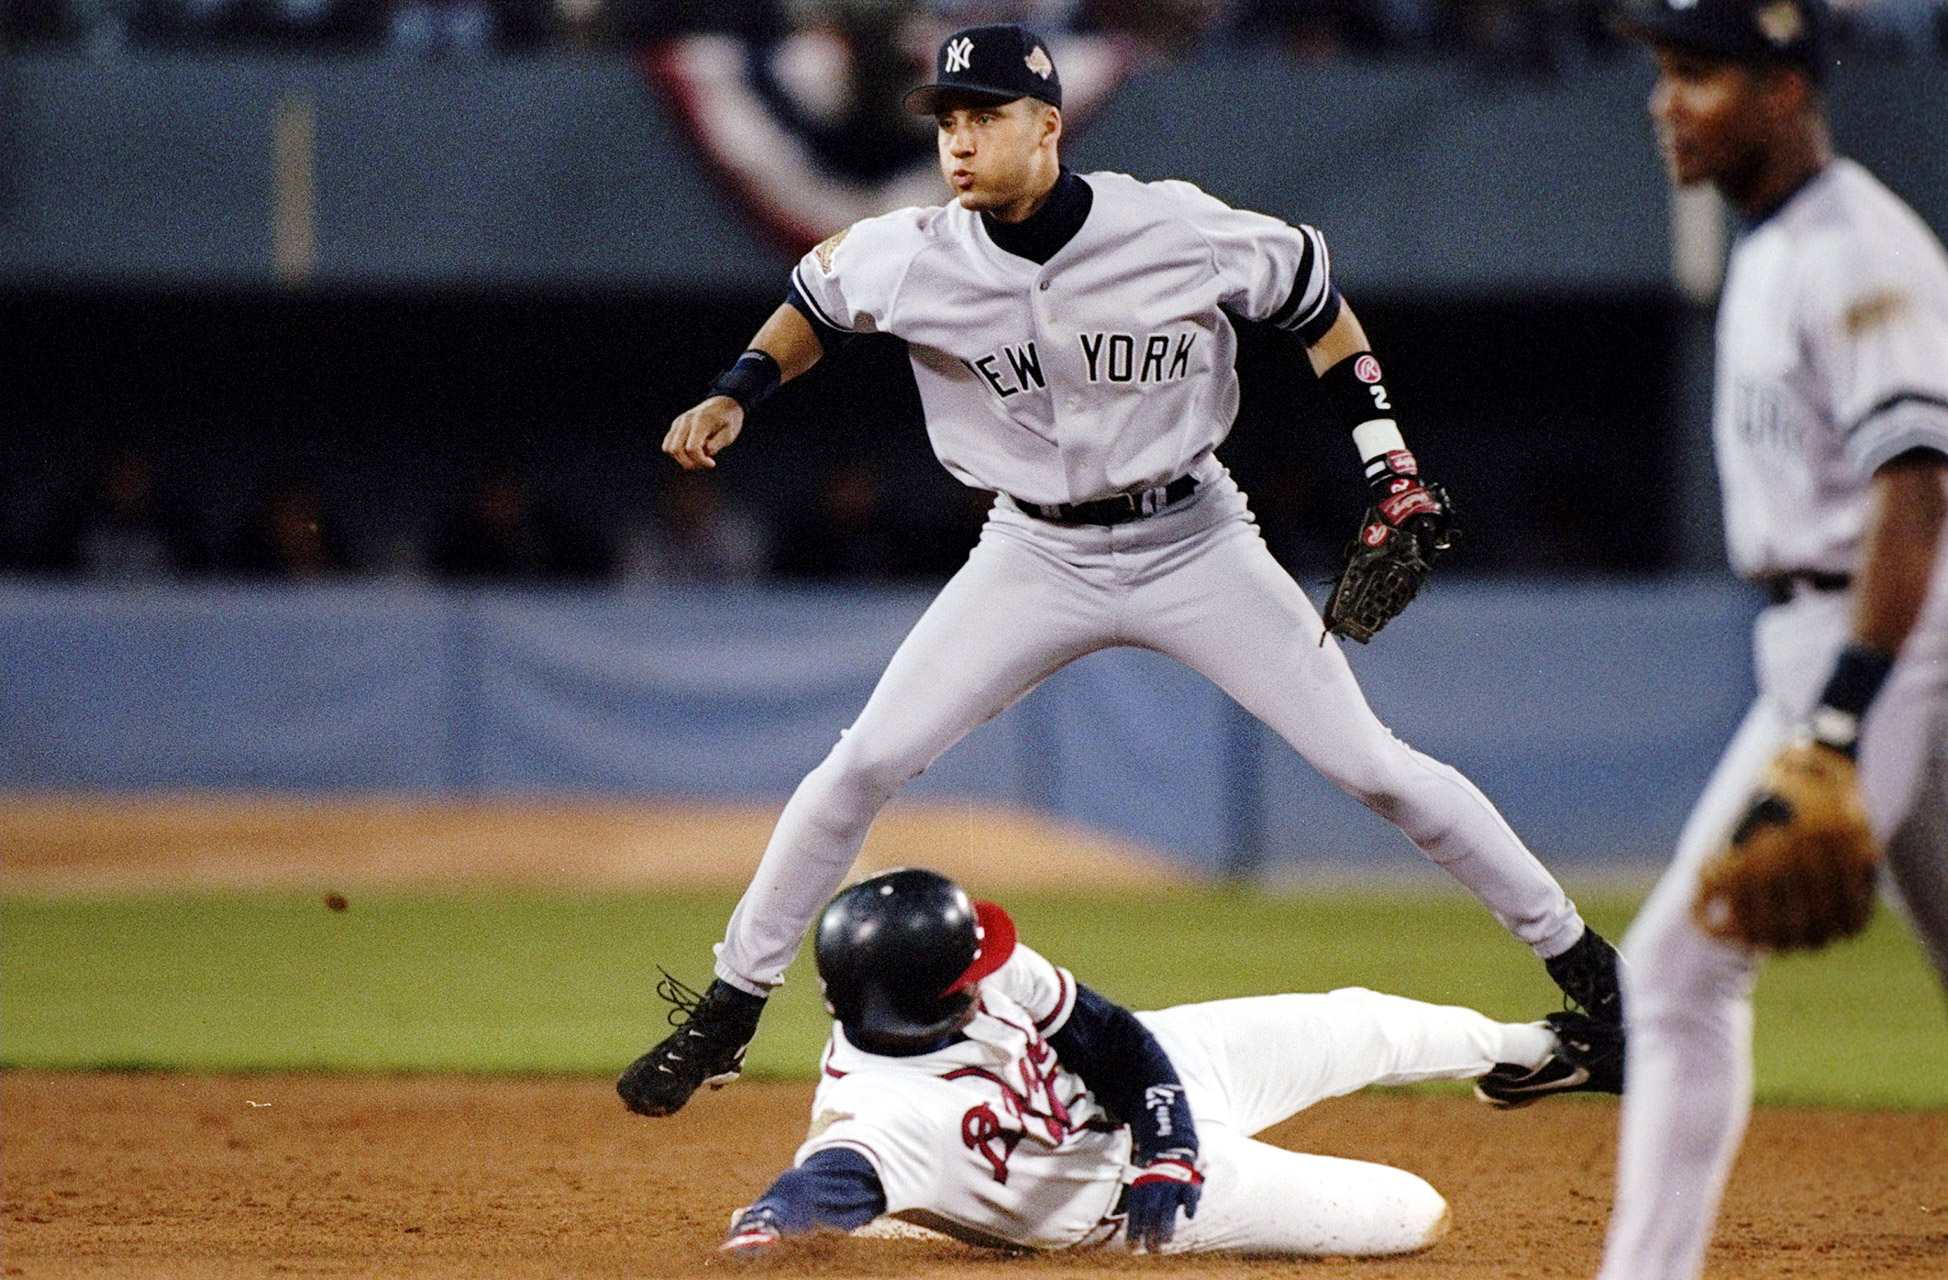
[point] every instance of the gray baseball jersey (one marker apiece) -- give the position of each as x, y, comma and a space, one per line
1832, 359
1102, 366
1108, 368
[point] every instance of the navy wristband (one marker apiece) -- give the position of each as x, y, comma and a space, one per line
1354, 389
754, 376
1857, 677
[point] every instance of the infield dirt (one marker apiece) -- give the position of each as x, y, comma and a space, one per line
219, 1178
225, 1177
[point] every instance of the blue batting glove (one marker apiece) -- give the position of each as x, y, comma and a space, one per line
1168, 1183
754, 1235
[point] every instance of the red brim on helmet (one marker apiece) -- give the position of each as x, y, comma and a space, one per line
997, 942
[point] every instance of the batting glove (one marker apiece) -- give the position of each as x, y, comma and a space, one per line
754, 1235
1168, 1183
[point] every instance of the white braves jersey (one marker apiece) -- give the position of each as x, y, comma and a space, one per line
1106, 370
1832, 359
990, 1139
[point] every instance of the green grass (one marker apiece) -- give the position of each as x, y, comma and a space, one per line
529, 982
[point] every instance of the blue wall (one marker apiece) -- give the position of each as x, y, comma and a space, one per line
557, 172
1590, 713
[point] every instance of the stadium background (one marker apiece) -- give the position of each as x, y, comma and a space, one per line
336, 552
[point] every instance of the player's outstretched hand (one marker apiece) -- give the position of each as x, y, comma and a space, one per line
1167, 1184
755, 1235
700, 434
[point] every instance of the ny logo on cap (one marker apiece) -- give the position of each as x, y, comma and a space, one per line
1781, 22
959, 52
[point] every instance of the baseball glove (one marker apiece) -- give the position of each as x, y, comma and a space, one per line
1801, 867
1385, 567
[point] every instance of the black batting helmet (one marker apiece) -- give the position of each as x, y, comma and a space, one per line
900, 954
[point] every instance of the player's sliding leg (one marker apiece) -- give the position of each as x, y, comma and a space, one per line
1688, 1015
1253, 1062
1009, 618
1263, 1200
1267, 656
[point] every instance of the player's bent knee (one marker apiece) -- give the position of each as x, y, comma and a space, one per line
1670, 963
868, 772
1402, 1214
1381, 1211
1384, 779
1372, 787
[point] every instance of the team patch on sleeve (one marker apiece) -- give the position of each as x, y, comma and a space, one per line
825, 248
825, 1120
1873, 311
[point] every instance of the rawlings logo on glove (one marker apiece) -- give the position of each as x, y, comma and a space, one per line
1409, 525
1801, 867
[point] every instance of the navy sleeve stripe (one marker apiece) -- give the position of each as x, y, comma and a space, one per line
1895, 401
1901, 444
1061, 1002
1301, 286
829, 338
1325, 318
805, 296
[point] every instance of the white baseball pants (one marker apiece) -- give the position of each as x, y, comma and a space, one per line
1195, 582
1248, 1064
1688, 997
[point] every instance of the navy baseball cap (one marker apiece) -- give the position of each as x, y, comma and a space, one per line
1001, 62
1792, 32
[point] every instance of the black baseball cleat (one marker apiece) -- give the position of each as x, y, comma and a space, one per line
1588, 1059
1587, 974
707, 1047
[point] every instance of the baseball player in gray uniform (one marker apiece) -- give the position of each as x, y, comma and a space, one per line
1831, 426
1072, 341
973, 1088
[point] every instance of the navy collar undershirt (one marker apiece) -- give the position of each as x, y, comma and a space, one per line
1747, 225
1041, 235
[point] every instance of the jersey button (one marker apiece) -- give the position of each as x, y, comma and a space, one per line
1043, 286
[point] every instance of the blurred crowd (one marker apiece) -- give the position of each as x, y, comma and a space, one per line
129, 525
1500, 33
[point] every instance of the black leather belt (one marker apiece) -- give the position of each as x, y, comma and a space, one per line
1781, 587
1119, 508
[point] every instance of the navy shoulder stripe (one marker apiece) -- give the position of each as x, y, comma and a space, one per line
1895, 401
1288, 313
805, 295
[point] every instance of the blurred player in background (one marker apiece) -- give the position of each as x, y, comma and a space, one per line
974, 1088
1831, 427
1072, 343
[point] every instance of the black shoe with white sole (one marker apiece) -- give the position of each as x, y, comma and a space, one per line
707, 1047
1588, 1059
